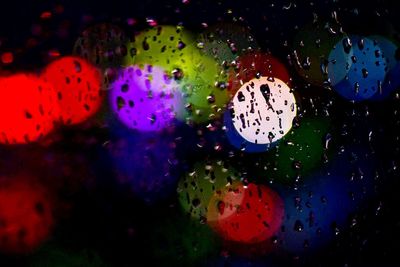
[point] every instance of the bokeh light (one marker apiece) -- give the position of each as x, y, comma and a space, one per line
29, 108
392, 81
305, 148
199, 133
263, 110
146, 98
363, 74
246, 213
78, 87
26, 216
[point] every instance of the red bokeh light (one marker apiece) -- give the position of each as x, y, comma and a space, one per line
26, 216
27, 107
78, 87
46, 15
246, 214
7, 58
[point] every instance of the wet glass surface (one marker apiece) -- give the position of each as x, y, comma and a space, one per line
199, 133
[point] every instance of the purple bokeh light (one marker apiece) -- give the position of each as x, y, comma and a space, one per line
146, 99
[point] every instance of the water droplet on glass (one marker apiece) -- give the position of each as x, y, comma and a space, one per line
296, 165
177, 74
211, 99
298, 226
361, 44
356, 87
364, 73
347, 45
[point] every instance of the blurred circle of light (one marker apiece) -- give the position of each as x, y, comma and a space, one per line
26, 216
255, 64
262, 112
7, 57
246, 214
196, 187
356, 68
28, 108
78, 87
146, 99
392, 80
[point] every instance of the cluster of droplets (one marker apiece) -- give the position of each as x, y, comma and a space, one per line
168, 75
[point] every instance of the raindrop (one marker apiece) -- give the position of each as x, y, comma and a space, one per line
265, 91
28, 115
145, 45
120, 102
306, 63
298, 226
196, 202
356, 87
181, 45
347, 45
328, 138
125, 88
361, 44
296, 165
364, 73
132, 52
177, 74
241, 97
77, 65
211, 99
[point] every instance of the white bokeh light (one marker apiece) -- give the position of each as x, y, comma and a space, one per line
264, 110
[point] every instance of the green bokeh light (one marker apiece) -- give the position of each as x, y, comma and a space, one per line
302, 150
